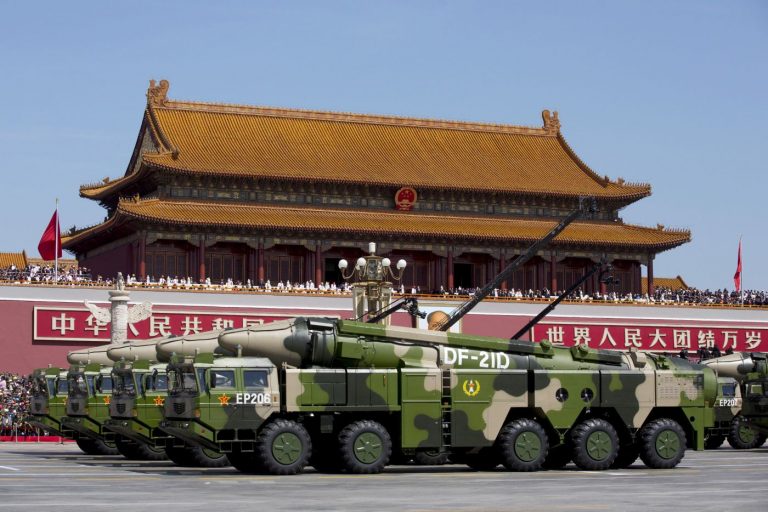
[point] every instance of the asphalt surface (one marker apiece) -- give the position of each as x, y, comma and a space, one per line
62, 478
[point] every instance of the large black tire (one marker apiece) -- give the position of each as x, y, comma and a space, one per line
283, 448
179, 455
205, 458
628, 454
133, 450
662, 443
594, 444
244, 461
96, 446
196, 457
487, 459
524, 445
430, 457
742, 436
713, 441
558, 457
364, 447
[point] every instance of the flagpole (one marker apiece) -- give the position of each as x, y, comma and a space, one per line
741, 276
56, 246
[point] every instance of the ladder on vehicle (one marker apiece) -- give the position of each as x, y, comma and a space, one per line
446, 405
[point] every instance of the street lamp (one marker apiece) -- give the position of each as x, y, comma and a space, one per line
373, 286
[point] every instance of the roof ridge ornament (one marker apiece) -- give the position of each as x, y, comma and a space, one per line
551, 122
157, 94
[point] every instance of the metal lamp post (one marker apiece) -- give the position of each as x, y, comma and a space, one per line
372, 290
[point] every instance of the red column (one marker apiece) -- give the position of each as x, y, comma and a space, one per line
318, 265
201, 259
502, 265
143, 257
252, 264
260, 263
650, 275
449, 269
553, 274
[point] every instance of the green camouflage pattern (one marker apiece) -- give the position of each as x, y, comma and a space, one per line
48, 400
87, 407
750, 371
138, 395
431, 390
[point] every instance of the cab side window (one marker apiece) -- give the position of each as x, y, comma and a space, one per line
255, 379
223, 378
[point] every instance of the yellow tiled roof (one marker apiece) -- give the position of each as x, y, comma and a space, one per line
218, 139
13, 258
673, 283
373, 223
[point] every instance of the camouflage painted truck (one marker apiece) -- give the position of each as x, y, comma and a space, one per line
139, 393
87, 408
48, 400
741, 408
345, 395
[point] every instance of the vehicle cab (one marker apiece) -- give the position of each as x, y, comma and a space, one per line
220, 401
47, 404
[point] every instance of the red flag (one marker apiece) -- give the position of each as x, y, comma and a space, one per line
50, 243
737, 275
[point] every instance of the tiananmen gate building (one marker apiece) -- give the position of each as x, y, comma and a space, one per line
227, 191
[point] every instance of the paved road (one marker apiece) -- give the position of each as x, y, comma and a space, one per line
60, 478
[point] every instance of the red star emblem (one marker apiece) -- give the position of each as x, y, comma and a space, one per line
223, 400
159, 401
107, 399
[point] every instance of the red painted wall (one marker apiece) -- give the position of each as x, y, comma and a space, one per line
109, 263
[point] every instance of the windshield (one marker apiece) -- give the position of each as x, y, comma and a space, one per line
103, 384
181, 379
756, 389
157, 382
77, 384
123, 383
62, 386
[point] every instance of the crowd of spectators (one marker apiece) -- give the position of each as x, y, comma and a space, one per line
81, 276
46, 274
15, 391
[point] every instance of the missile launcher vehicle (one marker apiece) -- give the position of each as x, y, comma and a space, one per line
742, 417
346, 395
139, 392
48, 400
87, 408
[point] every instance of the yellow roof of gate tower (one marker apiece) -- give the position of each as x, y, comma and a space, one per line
222, 139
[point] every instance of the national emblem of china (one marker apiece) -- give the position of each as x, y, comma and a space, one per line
471, 387
405, 198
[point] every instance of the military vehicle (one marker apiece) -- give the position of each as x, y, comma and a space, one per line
87, 408
344, 395
347, 394
740, 417
48, 399
139, 392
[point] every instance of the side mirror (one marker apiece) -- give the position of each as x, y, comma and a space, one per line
153, 380
97, 383
210, 378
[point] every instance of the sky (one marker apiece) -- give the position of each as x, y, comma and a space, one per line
667, 93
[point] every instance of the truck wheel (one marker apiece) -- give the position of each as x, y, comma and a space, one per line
558, 457
126, 448
205, 458
283, 447
179, 455
595, 444
628, 454
662, 443
742, 436
97, 447
487, 459
524, 445
434, 457
364, 447
244, 462
144, 451
713, 441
